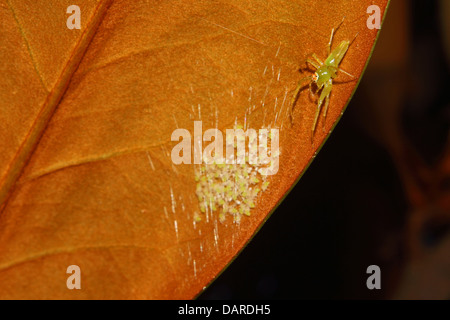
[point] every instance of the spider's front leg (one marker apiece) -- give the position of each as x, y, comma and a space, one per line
314, 63
295, 96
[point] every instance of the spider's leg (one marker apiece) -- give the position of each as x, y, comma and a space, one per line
296, 92
325, 92
327, 102
297, 89
310, 89
353, 39
329, 42
343, 71
317, 59
314, 64
332, 35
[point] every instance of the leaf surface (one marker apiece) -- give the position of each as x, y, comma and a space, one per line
87, 116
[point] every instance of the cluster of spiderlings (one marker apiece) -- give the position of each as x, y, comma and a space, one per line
229, 188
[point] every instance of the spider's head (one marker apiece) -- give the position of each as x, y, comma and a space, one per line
315, 77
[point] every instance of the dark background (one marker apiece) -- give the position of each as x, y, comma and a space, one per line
377, 193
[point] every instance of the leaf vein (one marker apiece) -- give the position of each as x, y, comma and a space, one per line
33, 61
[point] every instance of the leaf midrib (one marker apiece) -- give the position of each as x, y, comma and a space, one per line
37, 129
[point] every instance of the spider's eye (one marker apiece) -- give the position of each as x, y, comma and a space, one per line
315, 76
